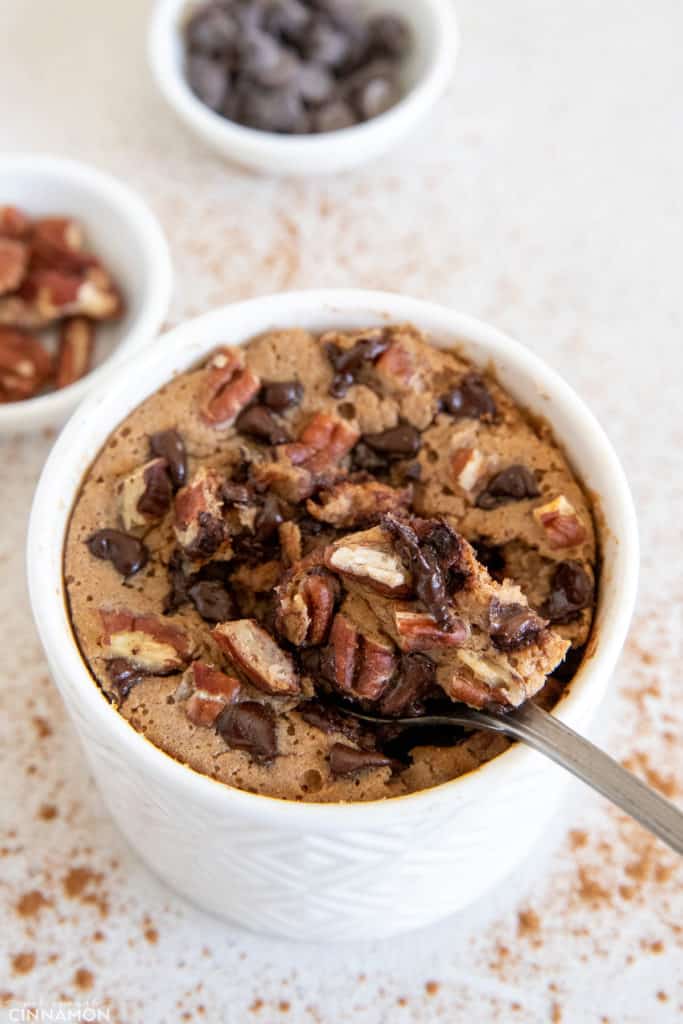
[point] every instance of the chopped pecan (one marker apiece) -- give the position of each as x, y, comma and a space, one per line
561, 523
206, 691
228, 388
13, 223
362, 665
149, 644
419, 631
25, 366
351, 504
324, 441
369, 559
304, 606
290, 541
468, 466
398, 365
13, 264
51, 294
74, 354
256, 654
345, 760
62, 233
513, 625
145, 495
200, 528
490, 680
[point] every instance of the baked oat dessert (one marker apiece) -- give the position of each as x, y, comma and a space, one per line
358, 516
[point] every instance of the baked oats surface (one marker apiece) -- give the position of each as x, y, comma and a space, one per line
358, 515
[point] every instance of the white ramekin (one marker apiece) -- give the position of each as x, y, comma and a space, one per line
124, 233
426, 76
316, 871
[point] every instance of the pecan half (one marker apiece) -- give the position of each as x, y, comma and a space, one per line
75, 350
148, 644
258, 656
419, 631
488, 680
324, 441
304, 606
199, 525
25, 366
290, 541
560, 521
362, 665
206, 692
145, 495
51, 294
13, 264
228, 388
13, 223
351, 504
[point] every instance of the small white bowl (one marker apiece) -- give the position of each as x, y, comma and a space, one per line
124, 234
426, 75
328, 871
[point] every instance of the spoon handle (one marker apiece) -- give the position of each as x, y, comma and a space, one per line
546, 734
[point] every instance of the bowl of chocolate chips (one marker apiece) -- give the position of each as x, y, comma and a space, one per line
302, 86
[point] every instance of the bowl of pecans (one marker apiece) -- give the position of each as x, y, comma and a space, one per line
302, 86
85, 277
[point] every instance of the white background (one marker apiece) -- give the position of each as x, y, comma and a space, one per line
543, 195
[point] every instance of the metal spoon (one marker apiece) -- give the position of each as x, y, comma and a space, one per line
546, 734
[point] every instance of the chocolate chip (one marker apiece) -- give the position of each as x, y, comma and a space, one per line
389, 35
249, 726
177, 594
346, 760
348, 362
363, 458
316, 84
279, 395
415, 677
158, 494
413, 471
268, 519
512, 484
267, 62
169, 445
323, 43
260, 422
429, 579
571, 590
126, 553
211, 31
332, 117
287, 18
212, 601
492, 558
271, 110
328, 719
123, 675
210, 536
513, 625
396, 442
471, 398
235, 493
207, 79
376, 95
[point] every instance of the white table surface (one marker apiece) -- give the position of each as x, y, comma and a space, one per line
545, 196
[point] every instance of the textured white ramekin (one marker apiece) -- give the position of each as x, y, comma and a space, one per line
315, 871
